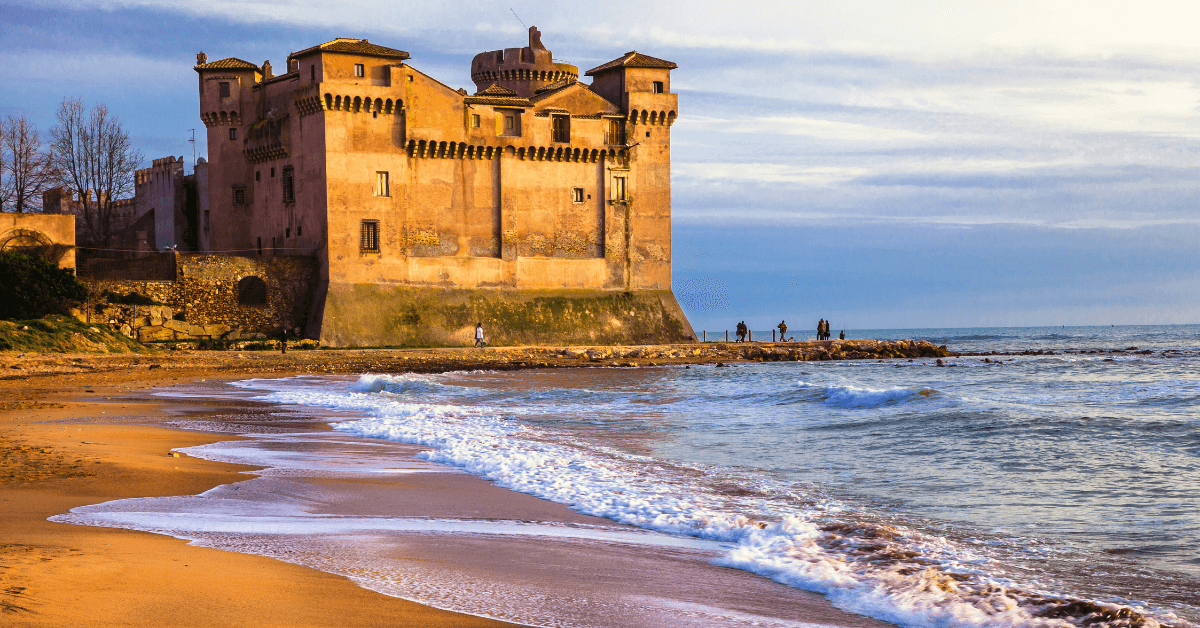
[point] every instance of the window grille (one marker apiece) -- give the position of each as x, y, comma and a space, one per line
239, 195
289, 185
370, 235
615, 133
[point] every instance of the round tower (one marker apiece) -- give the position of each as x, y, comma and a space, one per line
523, 70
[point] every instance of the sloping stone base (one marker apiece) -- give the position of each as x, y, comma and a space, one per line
366, 315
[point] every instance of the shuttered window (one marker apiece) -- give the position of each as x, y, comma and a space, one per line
370, 235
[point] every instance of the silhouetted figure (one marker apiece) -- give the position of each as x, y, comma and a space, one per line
782, 331
741, 331
283, 341
842, 336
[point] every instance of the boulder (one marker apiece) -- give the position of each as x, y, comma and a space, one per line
174, 325
154, 333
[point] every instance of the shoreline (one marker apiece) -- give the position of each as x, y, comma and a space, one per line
57, 574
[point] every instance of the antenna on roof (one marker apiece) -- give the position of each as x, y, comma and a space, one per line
518, 18
193, 143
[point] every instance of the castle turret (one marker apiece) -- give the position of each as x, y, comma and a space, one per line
523, 70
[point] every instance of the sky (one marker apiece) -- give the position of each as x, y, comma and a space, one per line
879, 164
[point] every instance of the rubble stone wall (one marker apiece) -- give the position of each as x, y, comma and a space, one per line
206, 292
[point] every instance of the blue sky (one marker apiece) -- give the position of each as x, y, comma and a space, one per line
879, 164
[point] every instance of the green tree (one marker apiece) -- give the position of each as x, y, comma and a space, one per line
33, 287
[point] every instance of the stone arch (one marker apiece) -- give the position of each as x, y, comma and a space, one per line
328, 101
378, 105
670, 118
412, 148
252, 290
633, 116
387, 106
509, 150
357, 104
423, 146
441, 150
653, 117
645, 116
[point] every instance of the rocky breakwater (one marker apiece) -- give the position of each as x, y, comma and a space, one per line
808, 351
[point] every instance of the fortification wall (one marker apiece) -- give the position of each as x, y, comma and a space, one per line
210, 292
380, 315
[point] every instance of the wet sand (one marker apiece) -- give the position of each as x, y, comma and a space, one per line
72, 439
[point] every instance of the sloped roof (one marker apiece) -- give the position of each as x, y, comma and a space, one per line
633, 59
349, 45
498, 96
556, 85
230, 63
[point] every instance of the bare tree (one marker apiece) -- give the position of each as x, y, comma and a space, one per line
26, 169
93, 157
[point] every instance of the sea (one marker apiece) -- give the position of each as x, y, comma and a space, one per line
1048, 477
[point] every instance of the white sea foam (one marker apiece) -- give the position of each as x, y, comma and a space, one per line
785, 546
856, 397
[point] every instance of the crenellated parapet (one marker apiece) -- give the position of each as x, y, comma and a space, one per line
653, 118
433, 149
220, 118
362, 104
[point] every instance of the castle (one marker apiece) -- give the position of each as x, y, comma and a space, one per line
539, 205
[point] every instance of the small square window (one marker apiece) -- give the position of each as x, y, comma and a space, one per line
359, 71
224, 89
647, 134
382, 187
239, 195
369, 240
233, 134
475, 120
577, 195
658, 87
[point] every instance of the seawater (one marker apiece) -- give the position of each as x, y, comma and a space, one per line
1049, 490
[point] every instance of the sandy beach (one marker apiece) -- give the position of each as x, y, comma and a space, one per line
78, 430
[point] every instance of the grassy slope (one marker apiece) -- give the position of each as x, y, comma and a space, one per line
65, 334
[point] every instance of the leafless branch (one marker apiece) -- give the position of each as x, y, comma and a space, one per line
25, 167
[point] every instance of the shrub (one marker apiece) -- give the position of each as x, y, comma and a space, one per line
33, 287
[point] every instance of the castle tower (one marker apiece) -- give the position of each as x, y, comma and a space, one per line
523, 70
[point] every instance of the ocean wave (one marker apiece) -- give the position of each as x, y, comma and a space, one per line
856, 397
891, 573
408, 383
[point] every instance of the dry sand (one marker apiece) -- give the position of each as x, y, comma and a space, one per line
55, 574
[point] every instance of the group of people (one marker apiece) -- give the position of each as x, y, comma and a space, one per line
823, 332
742, 331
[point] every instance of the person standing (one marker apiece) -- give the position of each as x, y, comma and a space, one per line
782, 331
821, 329
479, 335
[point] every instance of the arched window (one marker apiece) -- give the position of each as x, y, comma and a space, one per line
252, 291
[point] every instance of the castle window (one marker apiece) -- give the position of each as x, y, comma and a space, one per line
260, 245
619, 192
233, 134
359, 71
512, 124
312, 73
475, 120
561, 128
252, 290
289, 185
658, 87
287, 233
239, 195
224, 89
577, 195
381, 184
272, 172
299, 230
615, 134
258, 175
369, 240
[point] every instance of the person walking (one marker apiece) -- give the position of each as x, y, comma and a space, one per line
782, 331
479, 335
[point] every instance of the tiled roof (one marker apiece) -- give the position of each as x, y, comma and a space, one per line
556, 85
497, 96
231, 63
633, 59
495, 89
354, 46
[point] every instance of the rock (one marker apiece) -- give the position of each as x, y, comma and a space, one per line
940, 363
154, 333
173, 454
127, 330
93, 330
174, 325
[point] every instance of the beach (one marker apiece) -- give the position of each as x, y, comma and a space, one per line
81, 429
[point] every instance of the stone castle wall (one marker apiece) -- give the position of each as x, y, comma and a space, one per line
208, 291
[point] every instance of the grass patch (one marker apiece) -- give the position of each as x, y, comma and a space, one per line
65, 334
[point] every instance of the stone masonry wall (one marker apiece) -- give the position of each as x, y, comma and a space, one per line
206, 292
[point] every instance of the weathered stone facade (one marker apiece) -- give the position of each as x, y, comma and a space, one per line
46, 235
216, 296
534, 184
